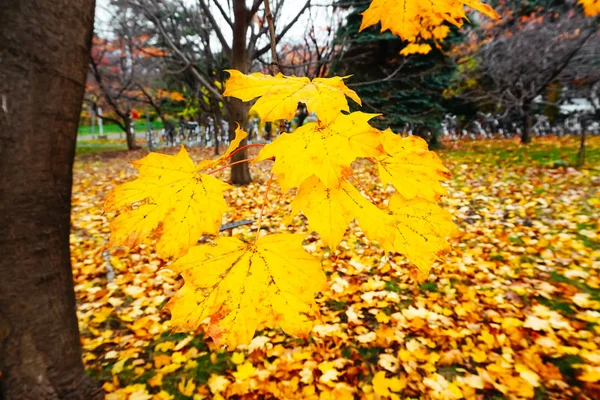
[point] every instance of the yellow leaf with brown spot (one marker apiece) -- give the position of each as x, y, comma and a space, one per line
325, 151
416, 228
170, 201
411, 168
242, 286
279, 95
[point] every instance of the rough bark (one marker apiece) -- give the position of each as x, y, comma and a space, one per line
45, 49
238, 111
527, 123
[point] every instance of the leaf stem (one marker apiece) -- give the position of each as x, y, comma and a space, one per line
244, 148
363, 188
262, 209
229, 165
274, 58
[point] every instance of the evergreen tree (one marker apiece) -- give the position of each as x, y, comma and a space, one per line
408, 91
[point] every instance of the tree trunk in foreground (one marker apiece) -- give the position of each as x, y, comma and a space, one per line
238, 111
43, 64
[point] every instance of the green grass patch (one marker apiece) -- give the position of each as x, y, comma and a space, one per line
566, 365
95, 146
429, 287
594, 293
557, 303
139, 126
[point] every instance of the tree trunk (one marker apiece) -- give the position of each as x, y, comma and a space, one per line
581, 152
527, 123
45, 50
238, 111
130, 135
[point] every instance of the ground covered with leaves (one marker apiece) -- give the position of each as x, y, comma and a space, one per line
512, 311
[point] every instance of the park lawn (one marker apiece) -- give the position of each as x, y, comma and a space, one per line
512, 311
140, 126
99, 145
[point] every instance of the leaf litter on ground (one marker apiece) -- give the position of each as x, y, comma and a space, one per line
512, 311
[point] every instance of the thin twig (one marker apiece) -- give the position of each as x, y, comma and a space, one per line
229, 165
244, 147
274, 59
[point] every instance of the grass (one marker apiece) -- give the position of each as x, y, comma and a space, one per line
545, 152
140, 126
95, 146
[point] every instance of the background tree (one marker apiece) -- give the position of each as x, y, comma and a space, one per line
229, 32
407, 90
123, 62
45, 54
507, 65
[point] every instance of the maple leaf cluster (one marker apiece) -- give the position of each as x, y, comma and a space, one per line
417, 21
240, 286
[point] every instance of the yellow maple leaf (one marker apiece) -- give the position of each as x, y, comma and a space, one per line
280, 95
322, 150
241, 286
410, 167
330, 210
385, 386
170, 200
416, 48
410, 19
590, 7
416, 228
244, 371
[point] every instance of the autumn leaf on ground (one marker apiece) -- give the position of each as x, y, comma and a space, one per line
385, 386
240, 287
410, 19
240, 135
170, 200
411, 168
322, 150
280, 95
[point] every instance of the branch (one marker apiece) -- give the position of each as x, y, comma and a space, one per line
285, 30
215, 26
107, 96
274, 59
387, 78
254, 8
197, 74
223, 13
115, 121
565, 63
